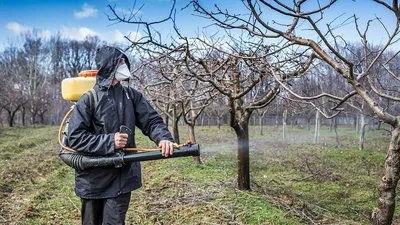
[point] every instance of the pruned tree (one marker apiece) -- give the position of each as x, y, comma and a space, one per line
241, 70
197, 96
160, 80
12, 103
219, 108
326, 45
56, 68
14, 86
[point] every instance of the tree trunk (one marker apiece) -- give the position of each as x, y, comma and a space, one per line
202, 120
243, 158
284, 120
33, 118
166, 120
335, 130
356, 123
383, 215
11, 116
197, 159
175, 120
317, 124
10, 119
362, 131
175, 130
261, 125
42, 118
23, 116
308, 122
219, 123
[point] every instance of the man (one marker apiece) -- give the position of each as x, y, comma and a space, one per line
105, 191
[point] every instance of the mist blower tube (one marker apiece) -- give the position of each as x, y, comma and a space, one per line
82, 162
79, 161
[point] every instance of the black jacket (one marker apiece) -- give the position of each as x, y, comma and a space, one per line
94, 134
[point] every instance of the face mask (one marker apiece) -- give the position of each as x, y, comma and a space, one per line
123, 73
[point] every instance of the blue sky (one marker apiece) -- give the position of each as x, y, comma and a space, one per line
77, 19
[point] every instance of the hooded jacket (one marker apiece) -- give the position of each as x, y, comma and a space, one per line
92, 132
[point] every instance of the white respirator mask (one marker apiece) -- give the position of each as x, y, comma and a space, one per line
123, 73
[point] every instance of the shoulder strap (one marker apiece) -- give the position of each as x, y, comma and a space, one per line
130, 93
92, 100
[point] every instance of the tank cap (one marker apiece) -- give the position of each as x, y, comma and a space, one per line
87, 73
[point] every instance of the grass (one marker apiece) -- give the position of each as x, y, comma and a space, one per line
293, 181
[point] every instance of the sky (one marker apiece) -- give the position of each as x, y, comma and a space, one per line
78, 19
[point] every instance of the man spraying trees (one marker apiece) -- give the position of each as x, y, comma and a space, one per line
105, 191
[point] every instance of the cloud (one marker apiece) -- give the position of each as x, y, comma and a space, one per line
87, 11
117, 36
114, 36
78, 33
45, 33
20, 29
17, 28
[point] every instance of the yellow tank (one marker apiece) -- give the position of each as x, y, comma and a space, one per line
73, 88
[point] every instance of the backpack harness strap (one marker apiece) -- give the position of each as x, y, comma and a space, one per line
93, 101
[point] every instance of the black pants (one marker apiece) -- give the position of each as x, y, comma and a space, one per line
105, 211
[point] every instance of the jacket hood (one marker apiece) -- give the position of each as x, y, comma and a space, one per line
107, 60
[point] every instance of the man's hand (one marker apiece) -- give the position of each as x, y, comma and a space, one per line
120, 140
167, 147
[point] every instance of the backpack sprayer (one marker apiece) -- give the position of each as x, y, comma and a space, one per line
72, 90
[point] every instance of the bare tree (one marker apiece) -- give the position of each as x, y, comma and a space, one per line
57, 49
78, 55
160, 81
33, 69
326, 45
197, 97
218, 108
262, 113
242, 71
13, 84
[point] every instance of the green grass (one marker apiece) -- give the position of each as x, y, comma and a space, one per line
293, 181
330, 181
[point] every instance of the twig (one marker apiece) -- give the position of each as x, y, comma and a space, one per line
305, 178
74, 204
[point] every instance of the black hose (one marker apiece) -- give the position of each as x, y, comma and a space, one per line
81, 162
